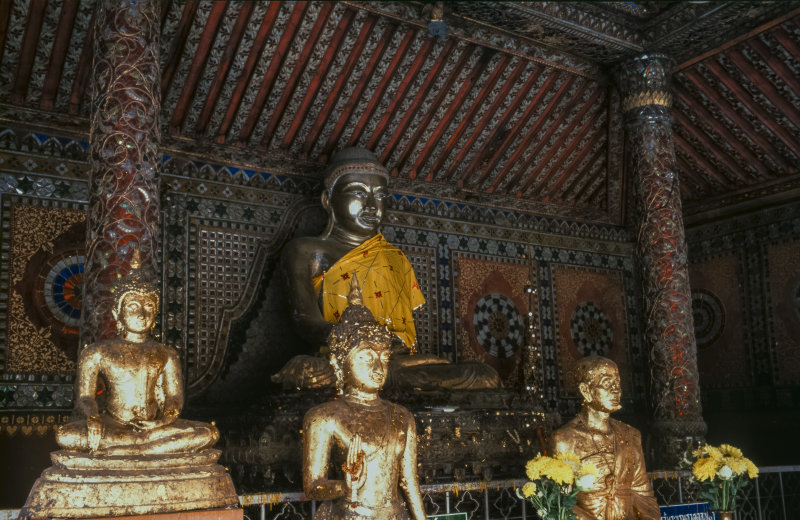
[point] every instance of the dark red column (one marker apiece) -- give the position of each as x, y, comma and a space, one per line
124, 155
661, 246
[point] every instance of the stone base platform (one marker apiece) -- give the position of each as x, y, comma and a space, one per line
82, 486
208, 514
463, 436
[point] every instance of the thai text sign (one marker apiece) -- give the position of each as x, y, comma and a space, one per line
698, 511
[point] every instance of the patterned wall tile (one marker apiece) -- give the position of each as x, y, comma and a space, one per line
784, 305
591, 320
722, 355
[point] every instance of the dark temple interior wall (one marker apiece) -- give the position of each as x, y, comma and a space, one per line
745, 278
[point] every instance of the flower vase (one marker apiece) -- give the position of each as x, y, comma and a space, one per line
725, 515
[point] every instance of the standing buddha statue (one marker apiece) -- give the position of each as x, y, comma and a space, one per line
373, 440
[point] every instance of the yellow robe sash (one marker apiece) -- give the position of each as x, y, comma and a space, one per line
388, 286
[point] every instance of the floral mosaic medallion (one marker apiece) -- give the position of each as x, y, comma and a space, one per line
63, 290
709, 317
590, 329
498, 326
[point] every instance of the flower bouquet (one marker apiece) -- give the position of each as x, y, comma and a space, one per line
721, 473
555, 483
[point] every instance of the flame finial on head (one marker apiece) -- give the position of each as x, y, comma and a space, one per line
354, 296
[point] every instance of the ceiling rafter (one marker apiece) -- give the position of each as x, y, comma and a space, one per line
431, 110
778, 67
540, 170
268, 82
490, 84
422, 92
475, 164
584, 174
69, 10
567, 158
703, 163
79, 90
33, 28
231, 47
267, 25
323, 18
456, 104
178, 44
189, 89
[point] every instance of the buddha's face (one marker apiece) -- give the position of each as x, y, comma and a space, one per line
357, 203
137, 312
367, 366
603, 392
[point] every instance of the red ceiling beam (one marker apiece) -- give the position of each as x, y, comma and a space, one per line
27, 53
299, 66
740, 122
402, 89
178, 43
515, 76
466, 120
480, 157
766, 87
275, 64
542, 139
577, 176
380, 89
400, 129
719, 129
451, 113
744, 97
539, 169
569, 161
237, 32
84, 68
5, 19
69, 9
525, 140
709, 169
344, 76
595, 197
188, 92
706, 144
787, 41
688, 183
437, 102
777, 66
247, 71
341, 30
347, 112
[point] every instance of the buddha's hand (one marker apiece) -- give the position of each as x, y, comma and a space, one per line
94, 432
355, 476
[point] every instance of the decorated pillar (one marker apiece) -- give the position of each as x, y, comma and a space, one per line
661, 246
124, 157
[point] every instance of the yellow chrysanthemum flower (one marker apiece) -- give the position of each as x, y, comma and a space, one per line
752, 469
534, 468
560, 472
587, 468
737, 464
528, 489
705, 468
730, 451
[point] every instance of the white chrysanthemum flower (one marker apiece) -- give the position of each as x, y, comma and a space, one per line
725, 472
585, 482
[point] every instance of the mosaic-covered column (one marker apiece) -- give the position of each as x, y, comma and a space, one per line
661, 246
124, 156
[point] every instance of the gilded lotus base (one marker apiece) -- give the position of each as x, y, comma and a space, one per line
83, 486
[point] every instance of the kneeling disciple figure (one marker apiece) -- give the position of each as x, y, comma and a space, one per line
134, 456
622, 490
372, 440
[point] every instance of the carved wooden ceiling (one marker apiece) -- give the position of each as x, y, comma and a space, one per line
515, 107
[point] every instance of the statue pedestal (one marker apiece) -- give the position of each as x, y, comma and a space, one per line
209, 514
82, 486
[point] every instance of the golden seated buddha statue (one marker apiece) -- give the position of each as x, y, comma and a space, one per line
318, 271
135, 456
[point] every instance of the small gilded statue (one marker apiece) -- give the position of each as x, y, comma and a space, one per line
373, 441
622, 490
134, 456
318, 270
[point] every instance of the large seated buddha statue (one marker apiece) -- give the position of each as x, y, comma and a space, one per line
134, 455
318, 271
